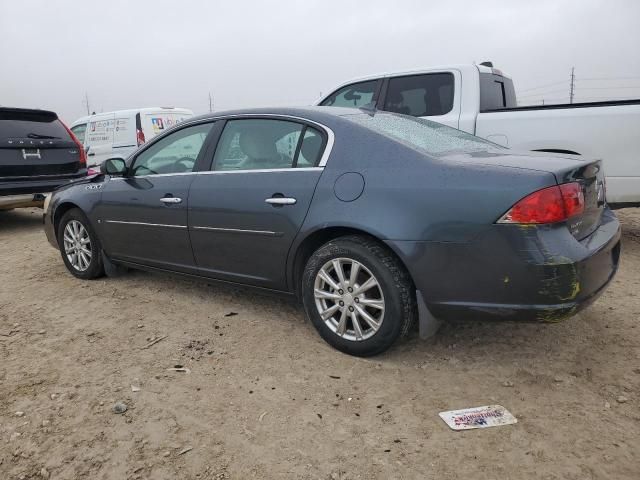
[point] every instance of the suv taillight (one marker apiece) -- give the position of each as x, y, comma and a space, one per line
83, 154
549, 205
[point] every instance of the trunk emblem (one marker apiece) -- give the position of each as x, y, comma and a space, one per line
26, 155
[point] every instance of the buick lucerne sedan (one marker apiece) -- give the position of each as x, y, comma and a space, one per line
374, 220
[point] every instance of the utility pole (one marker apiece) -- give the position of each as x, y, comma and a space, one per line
573, 85
210, 103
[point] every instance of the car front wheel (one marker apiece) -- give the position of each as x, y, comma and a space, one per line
358, 295
79, 246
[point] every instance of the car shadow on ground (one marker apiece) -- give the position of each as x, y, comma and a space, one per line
17, 220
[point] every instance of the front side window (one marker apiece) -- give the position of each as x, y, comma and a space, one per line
420, 95
265, 144
176, 153
79, 131
354, 95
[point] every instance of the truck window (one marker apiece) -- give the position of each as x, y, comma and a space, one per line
420, 95
354, 95
496, 92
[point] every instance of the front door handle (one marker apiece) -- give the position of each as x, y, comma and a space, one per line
170, 200
281, 201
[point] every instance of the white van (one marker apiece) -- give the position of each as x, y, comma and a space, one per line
118, 134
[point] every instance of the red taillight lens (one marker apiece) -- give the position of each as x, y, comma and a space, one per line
83, 154
140, 137
549, 205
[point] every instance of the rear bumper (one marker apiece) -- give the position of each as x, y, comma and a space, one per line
27, 186
515, 272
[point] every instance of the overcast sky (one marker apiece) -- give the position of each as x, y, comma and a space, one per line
127, 54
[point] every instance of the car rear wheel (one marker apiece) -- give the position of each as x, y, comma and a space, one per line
79, 246
358, 295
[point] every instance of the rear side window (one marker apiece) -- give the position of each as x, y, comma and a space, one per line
31, 124
496, 92
354, 95
420, 95
266, 144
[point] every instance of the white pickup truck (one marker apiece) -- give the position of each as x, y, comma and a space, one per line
481, 100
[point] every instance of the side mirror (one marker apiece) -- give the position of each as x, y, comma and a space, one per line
113, 166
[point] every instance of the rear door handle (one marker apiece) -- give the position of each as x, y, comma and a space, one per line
281, 201
170, 200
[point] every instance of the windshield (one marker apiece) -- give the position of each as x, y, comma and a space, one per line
424, 135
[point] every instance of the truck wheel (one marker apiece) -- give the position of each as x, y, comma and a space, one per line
358, 295
79, 246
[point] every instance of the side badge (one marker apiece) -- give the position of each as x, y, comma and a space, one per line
94, 187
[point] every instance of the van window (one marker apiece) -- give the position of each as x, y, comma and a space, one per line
354, 95
420, 95
79, 131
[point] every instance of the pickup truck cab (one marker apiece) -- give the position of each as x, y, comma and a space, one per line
481, 100
120, 133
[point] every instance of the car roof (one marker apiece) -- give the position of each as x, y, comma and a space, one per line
314, 113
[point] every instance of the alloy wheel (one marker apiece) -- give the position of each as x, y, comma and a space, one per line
77, 245
349, 299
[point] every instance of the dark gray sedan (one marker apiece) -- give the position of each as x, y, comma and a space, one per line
373, 219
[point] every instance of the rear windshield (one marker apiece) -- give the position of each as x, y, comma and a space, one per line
424, 135
30, 124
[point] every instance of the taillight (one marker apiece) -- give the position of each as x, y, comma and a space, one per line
140, 137
549, 205
83, 154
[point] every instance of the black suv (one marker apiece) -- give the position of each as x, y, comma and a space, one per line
38, 153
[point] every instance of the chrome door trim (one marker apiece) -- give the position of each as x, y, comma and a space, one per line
120, 222
262, 170
267, 233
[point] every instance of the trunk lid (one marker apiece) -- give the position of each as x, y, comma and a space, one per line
35, 143
565, 168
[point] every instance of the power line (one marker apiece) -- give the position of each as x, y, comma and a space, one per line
609, 78
544, 86
541, 94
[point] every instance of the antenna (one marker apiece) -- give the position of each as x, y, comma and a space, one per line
210, 103
86, 102
572, 87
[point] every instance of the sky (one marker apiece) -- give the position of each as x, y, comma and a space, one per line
128, 54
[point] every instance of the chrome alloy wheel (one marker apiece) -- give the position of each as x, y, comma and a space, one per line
349, 299
77, 245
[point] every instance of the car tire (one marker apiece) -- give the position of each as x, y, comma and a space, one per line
389, 298
84, 258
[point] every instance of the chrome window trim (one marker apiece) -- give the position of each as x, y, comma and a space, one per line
330, 135
210, 172
321, 164
267, 233
145, 224
262, 170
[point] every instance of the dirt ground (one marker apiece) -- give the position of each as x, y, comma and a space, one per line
267, 398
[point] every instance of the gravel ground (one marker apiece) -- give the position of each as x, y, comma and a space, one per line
264, 397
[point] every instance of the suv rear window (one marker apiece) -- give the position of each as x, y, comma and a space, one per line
420, 95
16, 123
496, 92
